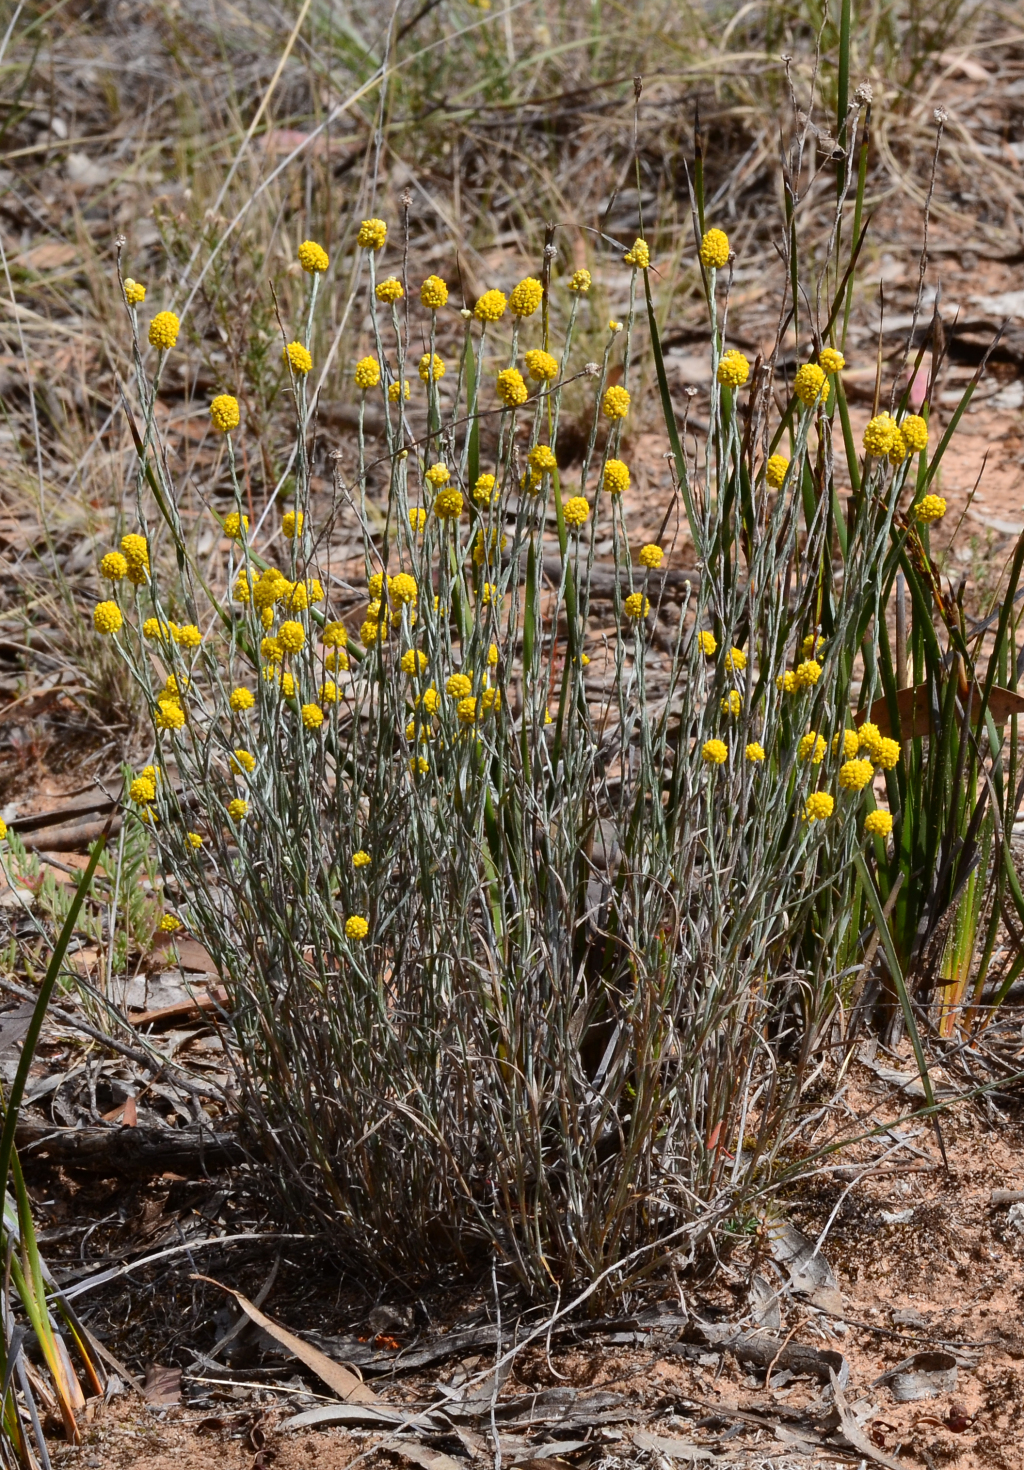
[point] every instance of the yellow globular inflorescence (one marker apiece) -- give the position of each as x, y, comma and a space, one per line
897, 449
888, 756
135, 550
636, 606
580, 281
243, 762
807, 673
187, 636
525, 298
714, 752
511, 388
397, 390
328, 692
775, 471
810, 383
615, 403
367, 373
437, 475
403, 588
466, 710
313, 257
194, 840
616, 477
491, 306
854, 775
106, 618
238, 809
224, 414
651, 556
541, 366
483, 490
448, 505
754, 751
356, 927
736, 660
113, 567
575, 511
134, 292
707, 643
731, 704
458, 686
312, 716
639, 257
541, 459
915, 433
389, 290
879, 435
299, 358
869, 740
163, 331
818, 806
241, 699
235, 524
846, 741
291, 524
431, 368
361, 859
143, 788
417, 519
931, 508
733, 369
812, 748
786, 682
714, 249
434, 293
372, 234
414, 661
878, 824
291, 636
831, 360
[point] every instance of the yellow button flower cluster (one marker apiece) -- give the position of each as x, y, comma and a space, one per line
224, 413
312, 257
525, 298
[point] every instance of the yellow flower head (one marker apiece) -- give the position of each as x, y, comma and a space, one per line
807, 673
714, 249
492, 655
614, 326
398, 390
714, 752
403, 588
898, 449
878, 824
775, 470
437, 475
511, 388
616, 477
733, 369
287, 686
831, 360
615, 403
651, 556
142, 789
301, 361
169, 715
367, 374
242, 763
731, 704
361, 859
414, 661
541, 366
291, 524
224, 413
879, 435
313, 257
134, 291
242, 590
328, 692
431, 368
241, 699
636, 606
931, 508
915, 433
488, 593
813, 645
188, 636
575, 510
113, 567
490, 307
448, 505
163, 330
312, 716
291, 636
419, 765
707, 643
356, 927
234, 525
238, 809
786, 682
736, 660
369, 631
458, 686
417, 519
430, 699
754, 751
466, 710
639, 256
487, 549
389, 290
526, 297
818, 806
433, 293
869, 740
484, 489
854, 775
154, 628
372, 234
490, 700
169, 924
135, 550
812, 748
541, 459
194, 839
106, 618
337, 659
847, 741
296, 597
810, 383
581, 282
888, 753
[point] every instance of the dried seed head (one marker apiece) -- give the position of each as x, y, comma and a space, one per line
864, 94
